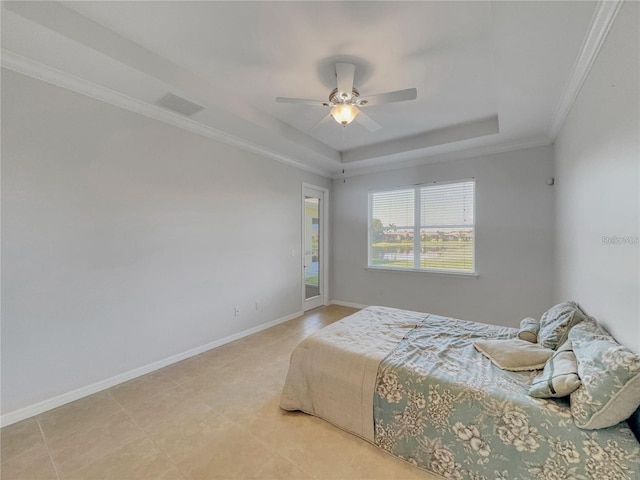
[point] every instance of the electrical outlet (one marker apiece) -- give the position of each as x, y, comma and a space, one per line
236, 311
257, 305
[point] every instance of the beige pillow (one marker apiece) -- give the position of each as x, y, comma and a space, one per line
514, 354
529, 329
560, 375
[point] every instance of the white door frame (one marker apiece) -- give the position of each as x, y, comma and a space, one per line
324, 248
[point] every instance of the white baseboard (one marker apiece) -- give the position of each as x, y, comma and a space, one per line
347, 304
57, 401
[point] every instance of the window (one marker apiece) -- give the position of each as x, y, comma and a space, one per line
423, 228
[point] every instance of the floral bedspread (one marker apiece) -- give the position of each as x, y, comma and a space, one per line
444, 407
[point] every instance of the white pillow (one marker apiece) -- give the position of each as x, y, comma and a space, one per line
529, 328
559, 377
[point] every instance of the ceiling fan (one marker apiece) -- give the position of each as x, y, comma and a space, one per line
345, 101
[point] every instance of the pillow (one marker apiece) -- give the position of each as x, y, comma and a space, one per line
529, 329
560, 375
590, 326
610, 375
634, 423
514, 354
556, 322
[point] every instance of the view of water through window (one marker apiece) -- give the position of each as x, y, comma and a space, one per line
441, 216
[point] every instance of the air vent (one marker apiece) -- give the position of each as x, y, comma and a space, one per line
179, 105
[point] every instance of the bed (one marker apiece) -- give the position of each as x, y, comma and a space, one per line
413, 385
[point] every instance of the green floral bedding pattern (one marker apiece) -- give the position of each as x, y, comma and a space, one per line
442, 406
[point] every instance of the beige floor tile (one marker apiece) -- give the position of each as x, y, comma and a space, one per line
274, 382
142, 388
296, 326
320, 449
271, 418
374, 464
287, 327
200, 386
281, 347
250, 342
275, 333
271, 379
185, 370
239, 401
306, 441
314, 328
92, 441
246, 347
75, 416
140, 460
237, 454
286, 344
330, 314
235, 394
278, 468
241, 371
171, 404
225, 354
33, 464
253, 369
20, 438
181, 438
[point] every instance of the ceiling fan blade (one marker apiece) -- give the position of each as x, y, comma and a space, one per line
345, 73
367, 122
323, 121
303, 101
389, 97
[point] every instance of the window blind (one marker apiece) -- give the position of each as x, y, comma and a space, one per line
425, 227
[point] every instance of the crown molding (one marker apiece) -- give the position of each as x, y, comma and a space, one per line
474, 152
59, 78
601, 22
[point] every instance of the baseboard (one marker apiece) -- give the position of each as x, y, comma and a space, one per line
59, 400
347, 304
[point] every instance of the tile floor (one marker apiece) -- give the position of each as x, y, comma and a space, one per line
209, 417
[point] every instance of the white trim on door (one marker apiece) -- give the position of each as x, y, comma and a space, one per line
323, 299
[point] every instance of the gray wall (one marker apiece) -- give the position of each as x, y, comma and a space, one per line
597, 172
514, 241
126, 241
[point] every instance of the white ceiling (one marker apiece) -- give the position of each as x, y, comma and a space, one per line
488, 74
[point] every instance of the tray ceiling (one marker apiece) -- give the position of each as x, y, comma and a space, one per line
488, 74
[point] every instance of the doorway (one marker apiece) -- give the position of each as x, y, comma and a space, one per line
314, 236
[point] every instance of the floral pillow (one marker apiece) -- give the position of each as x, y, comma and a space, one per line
556, 322
529, 329
610, 375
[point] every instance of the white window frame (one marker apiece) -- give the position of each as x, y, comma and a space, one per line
417, 225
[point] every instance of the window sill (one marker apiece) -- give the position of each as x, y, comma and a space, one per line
437, 273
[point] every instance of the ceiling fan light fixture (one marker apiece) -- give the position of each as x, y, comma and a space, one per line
345, 106
344, 113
